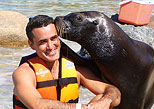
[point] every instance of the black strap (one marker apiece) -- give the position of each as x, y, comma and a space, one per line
25, 58
66, 81
56, 82
18, 103
74, 101
46, 84
59, 76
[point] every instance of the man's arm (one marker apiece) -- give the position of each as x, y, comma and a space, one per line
107, 95
25, 89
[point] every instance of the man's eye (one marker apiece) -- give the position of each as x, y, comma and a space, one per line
42, 42
54, 37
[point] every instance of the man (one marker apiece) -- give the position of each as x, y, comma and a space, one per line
47, 80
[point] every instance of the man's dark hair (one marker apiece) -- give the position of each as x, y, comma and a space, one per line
36, 22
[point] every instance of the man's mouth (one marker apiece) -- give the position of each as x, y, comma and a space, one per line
51, 52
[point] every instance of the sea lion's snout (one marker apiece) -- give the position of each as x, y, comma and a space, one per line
61, 26
59, 21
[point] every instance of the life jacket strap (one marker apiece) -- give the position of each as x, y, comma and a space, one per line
60, 81
18, 103
66, 81
74, 101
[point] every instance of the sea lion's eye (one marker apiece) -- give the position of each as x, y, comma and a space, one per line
77, 18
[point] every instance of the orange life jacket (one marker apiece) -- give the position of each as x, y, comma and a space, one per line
64, 88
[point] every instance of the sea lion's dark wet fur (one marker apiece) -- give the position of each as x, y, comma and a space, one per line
124, 62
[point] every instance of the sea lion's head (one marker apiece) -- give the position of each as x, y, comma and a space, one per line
80, 26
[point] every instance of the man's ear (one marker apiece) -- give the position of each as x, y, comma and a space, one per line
31, 44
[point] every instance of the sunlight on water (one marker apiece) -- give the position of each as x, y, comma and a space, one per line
57, 7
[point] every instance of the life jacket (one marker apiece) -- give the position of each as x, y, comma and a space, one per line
64, 89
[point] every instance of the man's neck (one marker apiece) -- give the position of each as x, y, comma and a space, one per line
54, 68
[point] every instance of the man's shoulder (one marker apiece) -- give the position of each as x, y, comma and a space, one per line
23, 67
23, 71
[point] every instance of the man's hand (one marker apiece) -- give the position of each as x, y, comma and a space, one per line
100, 102
107, 96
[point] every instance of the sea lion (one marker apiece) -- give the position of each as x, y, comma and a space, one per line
123, 61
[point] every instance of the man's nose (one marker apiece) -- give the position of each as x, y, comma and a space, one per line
49, 44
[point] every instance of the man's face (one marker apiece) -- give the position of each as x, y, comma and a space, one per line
46, 43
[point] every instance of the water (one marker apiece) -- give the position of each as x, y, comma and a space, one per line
57, 7
9, 58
